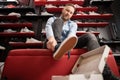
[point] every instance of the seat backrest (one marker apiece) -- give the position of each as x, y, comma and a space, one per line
113, 65
37, 64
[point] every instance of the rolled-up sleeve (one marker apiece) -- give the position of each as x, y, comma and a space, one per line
48, 28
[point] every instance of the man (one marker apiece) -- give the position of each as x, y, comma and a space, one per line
61, 37
61, 34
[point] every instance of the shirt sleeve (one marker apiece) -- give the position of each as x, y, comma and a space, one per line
73, 28
48, 27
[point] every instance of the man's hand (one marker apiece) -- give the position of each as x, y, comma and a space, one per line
51, 43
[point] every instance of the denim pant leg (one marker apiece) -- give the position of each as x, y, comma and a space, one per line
88, 40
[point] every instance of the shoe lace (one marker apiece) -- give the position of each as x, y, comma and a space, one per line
69, 53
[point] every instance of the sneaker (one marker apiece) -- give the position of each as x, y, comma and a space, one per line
10, 6
78, 6
2, 48
25, 30
61, 6
46, 14
32, 40
93, 13
68, 44
30, 14
50, 6
9, 31
14, 14
76, 21
81, 13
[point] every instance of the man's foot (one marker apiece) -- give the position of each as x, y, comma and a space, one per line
68, 44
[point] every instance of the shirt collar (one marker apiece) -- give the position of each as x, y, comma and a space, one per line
69, 21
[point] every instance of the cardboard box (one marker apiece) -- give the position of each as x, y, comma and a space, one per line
57, 77
78, 77
89, 65
92, 62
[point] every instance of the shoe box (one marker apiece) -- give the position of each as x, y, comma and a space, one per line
89, 66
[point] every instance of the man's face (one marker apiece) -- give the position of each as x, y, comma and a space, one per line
67, 12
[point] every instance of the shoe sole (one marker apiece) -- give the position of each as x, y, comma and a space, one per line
65, 46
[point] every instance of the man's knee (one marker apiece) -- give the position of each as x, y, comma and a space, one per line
91, 36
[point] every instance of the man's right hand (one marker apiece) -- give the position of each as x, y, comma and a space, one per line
51, 43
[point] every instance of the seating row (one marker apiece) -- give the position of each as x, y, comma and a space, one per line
38, 64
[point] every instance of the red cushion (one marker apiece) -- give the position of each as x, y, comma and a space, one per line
112, 64
41, 52
37, 64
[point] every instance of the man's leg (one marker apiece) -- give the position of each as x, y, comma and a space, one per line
89, 40
108, 75
62, 47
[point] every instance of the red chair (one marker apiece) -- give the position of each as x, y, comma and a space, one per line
113, 65
37, 64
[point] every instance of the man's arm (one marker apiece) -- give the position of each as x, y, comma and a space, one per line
49, 34
48, 28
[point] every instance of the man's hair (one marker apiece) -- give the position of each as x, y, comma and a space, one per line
70, 4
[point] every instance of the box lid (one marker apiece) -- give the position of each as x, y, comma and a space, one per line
92, 61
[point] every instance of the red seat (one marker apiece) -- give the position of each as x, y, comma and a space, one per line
113, 66
37, 64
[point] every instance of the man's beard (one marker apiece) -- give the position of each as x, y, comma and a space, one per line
65, 18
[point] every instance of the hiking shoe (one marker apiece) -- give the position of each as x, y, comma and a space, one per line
68, 44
